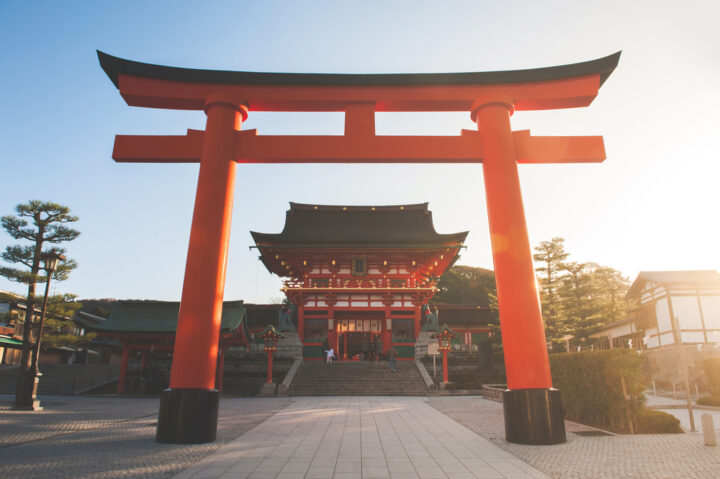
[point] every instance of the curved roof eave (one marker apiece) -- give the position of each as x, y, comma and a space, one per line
115, 66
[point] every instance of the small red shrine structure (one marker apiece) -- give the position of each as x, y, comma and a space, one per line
148, 327
359, 274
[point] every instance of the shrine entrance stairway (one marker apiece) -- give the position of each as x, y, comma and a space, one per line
357, 378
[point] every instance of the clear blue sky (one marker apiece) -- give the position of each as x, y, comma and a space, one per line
651, 206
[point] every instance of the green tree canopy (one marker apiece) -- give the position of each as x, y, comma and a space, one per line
577, 298
40, 223
465, 285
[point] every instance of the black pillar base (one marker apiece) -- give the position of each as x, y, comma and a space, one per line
534, 416
188, 416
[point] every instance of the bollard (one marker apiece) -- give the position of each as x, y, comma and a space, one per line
708, 428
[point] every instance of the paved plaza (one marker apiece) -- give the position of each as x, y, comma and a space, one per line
644, 456
326, 437
92, 437
361, 438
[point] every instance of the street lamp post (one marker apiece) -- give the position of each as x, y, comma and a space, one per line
444, 337
270, 336
50, 261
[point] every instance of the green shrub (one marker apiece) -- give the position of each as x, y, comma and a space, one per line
712, 374
651, 421
709, 401
591, 387
473, 379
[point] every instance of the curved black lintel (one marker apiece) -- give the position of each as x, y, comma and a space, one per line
114, 67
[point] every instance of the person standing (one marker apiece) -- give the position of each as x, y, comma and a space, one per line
325, 347
392, 357
330, 355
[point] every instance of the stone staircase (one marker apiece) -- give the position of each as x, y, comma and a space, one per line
62, 379
290, 346
357, 378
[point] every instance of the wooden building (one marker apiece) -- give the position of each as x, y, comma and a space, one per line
148, 327
359, 275
672, 307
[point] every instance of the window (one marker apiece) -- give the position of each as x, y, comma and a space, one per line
687, 311
316, 330
359, 266
403, 330
359, 326
663, 315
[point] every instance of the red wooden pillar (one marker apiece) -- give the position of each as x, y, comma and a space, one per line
418, 327
386, 331
445, 366
533, 411
188, 410
270, 355
123, 369
301, 319
220, 369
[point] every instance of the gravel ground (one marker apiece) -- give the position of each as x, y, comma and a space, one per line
646, 456
87, 437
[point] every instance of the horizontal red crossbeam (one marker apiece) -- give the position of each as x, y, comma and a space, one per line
563, 93
254, 148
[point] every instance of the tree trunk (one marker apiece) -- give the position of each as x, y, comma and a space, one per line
26, 375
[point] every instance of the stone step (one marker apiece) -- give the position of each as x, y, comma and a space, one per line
357, 378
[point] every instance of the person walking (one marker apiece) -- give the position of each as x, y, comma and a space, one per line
330, 355
392, 357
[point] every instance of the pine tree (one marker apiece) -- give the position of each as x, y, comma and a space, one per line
551, 256
41, 224
592, 296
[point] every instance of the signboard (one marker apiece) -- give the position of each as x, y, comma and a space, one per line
433, 349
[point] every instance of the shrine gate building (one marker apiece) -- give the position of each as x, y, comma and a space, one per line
359, 275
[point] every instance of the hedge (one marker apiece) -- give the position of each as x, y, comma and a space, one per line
651, 421
712, 374
709, 401
591, 387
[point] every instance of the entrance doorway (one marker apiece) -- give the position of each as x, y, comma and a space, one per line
358, 346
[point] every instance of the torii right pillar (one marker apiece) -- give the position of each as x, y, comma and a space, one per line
533, 408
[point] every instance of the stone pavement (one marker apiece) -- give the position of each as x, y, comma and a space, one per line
360, 438
395, 437
109, 437
645, 456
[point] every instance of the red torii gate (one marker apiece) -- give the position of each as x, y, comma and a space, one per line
188, 410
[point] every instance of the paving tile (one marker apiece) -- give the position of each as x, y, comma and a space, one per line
347, 475
348, 466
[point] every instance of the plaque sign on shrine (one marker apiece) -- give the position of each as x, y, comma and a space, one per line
188, 409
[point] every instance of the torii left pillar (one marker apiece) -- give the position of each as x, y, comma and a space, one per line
189, 408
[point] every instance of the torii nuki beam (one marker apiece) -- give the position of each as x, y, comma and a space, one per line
188, 411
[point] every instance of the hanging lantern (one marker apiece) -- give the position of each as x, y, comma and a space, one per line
270, 336
444, 337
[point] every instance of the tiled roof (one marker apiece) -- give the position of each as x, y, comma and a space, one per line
359, 225
668, 278
160, 317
